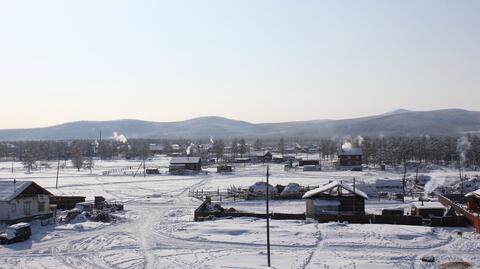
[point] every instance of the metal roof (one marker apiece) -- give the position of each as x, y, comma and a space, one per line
180, 160
333, 185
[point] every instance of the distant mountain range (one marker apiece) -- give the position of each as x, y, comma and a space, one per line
397, 123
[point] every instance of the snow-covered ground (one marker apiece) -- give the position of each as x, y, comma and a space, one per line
156, 230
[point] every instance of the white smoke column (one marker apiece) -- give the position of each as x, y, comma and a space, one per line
463, 145
211, 140
360, 140
347, 146
119, 138
439, 179
189, 148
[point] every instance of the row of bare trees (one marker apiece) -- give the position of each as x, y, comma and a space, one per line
376, 150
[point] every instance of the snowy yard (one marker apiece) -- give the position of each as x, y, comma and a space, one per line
157, 229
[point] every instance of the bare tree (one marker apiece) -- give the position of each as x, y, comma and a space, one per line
258, 144
218, 148
77, 158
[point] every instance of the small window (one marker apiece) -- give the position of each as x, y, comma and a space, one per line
41, 206
26, 208
14, 207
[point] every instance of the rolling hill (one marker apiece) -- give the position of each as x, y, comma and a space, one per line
400, 122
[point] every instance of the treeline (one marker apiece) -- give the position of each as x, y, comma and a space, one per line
376, 150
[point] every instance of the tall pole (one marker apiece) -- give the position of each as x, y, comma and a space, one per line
268, 218
144, 168
58, 170
404, 180
354, 195
460, 173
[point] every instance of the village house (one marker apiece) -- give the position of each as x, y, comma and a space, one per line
350, 159
23, 201
185, 163
335, 198
260, 157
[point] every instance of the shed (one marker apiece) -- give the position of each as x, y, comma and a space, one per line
23, 201
335, 198
185, 163
309, 162
428, 210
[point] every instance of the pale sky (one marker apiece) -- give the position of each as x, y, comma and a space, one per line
259, 61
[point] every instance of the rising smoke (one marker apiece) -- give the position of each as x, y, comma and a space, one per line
119, 138
463, 145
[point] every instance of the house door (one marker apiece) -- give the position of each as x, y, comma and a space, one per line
27, 208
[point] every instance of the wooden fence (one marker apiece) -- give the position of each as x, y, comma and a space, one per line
473, 219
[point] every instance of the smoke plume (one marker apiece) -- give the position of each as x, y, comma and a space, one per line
119, 138
463, 145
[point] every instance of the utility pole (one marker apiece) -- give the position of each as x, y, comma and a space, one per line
460, 173
268, 218
58, 170
144, 168
354, 195
404, 180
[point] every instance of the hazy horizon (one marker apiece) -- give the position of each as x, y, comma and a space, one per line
268, 61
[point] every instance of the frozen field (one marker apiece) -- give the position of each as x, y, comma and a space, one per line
156, 230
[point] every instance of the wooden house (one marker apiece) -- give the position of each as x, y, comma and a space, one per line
23, 201
335, 198
185, 163
350, 159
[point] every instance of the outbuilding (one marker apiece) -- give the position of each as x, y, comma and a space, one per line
335, 198
428, 210
23, 201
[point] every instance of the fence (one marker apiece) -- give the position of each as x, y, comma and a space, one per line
243, 193
372, 219
201, 213
471, 218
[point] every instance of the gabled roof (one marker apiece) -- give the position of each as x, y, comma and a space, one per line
350, 152
9, 191
334, 185
180, 160
473, 193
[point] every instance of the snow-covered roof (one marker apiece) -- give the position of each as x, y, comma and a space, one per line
19, 225
333, 185
389, 183
8, 191
473, 193
177, 160
352, 151
428, 205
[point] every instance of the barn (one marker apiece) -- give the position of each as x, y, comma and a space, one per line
335, 198
185, 163
23, 201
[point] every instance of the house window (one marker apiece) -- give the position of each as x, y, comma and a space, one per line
27, 208
41, 206
14, 207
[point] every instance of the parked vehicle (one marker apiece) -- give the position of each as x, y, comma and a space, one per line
16, 233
